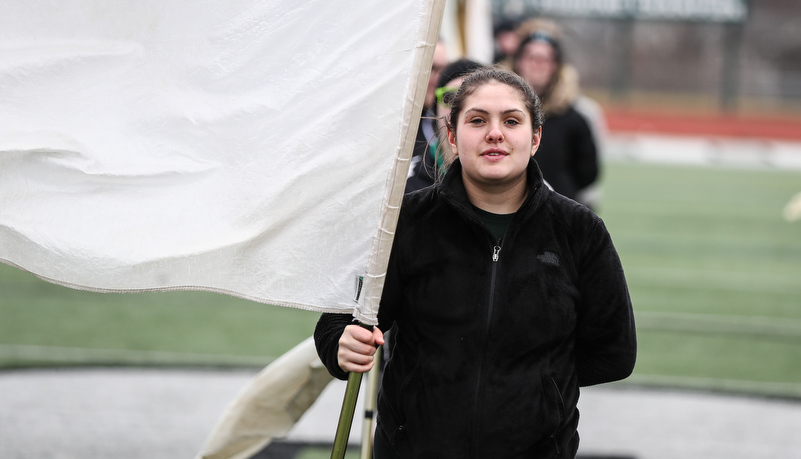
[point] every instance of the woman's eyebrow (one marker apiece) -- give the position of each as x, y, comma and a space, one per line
485, 112
480, 110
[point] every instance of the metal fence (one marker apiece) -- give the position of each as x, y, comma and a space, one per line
727, 51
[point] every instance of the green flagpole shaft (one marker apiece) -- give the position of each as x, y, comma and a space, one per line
346, 415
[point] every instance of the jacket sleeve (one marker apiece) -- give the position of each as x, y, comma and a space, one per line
606, 342
329, 329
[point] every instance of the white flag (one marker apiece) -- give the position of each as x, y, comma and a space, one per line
253, 148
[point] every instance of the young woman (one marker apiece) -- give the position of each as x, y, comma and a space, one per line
507, 297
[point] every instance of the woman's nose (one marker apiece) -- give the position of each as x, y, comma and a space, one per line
494, 134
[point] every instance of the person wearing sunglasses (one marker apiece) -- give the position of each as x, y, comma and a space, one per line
418, 175
438, 154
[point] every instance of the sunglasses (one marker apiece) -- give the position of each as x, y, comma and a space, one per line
445, 95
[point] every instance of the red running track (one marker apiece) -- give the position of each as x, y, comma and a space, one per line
722, 125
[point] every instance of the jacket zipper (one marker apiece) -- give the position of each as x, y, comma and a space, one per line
496, 250
496, 255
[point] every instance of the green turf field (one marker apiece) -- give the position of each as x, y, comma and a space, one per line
714, 273
44, 324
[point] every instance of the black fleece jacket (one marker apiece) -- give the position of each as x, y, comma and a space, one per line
495, 338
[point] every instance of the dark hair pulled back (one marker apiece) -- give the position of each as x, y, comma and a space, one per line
488, 75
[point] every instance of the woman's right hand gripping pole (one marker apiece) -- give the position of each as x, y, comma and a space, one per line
357, 348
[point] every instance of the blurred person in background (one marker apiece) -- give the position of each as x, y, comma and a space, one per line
507, 40
568, 154
439, 151
422, 169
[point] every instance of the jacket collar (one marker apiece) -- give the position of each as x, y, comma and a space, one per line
452, 189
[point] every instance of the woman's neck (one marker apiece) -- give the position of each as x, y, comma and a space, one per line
497, 200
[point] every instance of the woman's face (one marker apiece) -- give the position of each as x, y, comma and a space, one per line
494, 138
537, 64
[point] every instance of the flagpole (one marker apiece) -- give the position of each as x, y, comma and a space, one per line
346, 415
382, 245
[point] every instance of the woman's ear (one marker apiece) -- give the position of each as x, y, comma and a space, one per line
452, 141
535, 140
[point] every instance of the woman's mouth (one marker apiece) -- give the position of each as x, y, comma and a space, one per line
494, 153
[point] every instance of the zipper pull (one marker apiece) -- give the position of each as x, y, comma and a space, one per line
496, 252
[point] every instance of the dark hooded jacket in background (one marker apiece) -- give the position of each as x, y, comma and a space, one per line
568, 151
494, 337
423, 169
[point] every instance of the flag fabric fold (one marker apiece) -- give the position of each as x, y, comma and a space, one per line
269, 405
256, 149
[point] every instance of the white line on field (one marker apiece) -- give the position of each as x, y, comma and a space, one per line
728, 280
80, 354
754, 387
759, 325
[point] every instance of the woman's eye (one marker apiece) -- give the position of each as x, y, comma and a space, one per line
513, 122
476, 121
